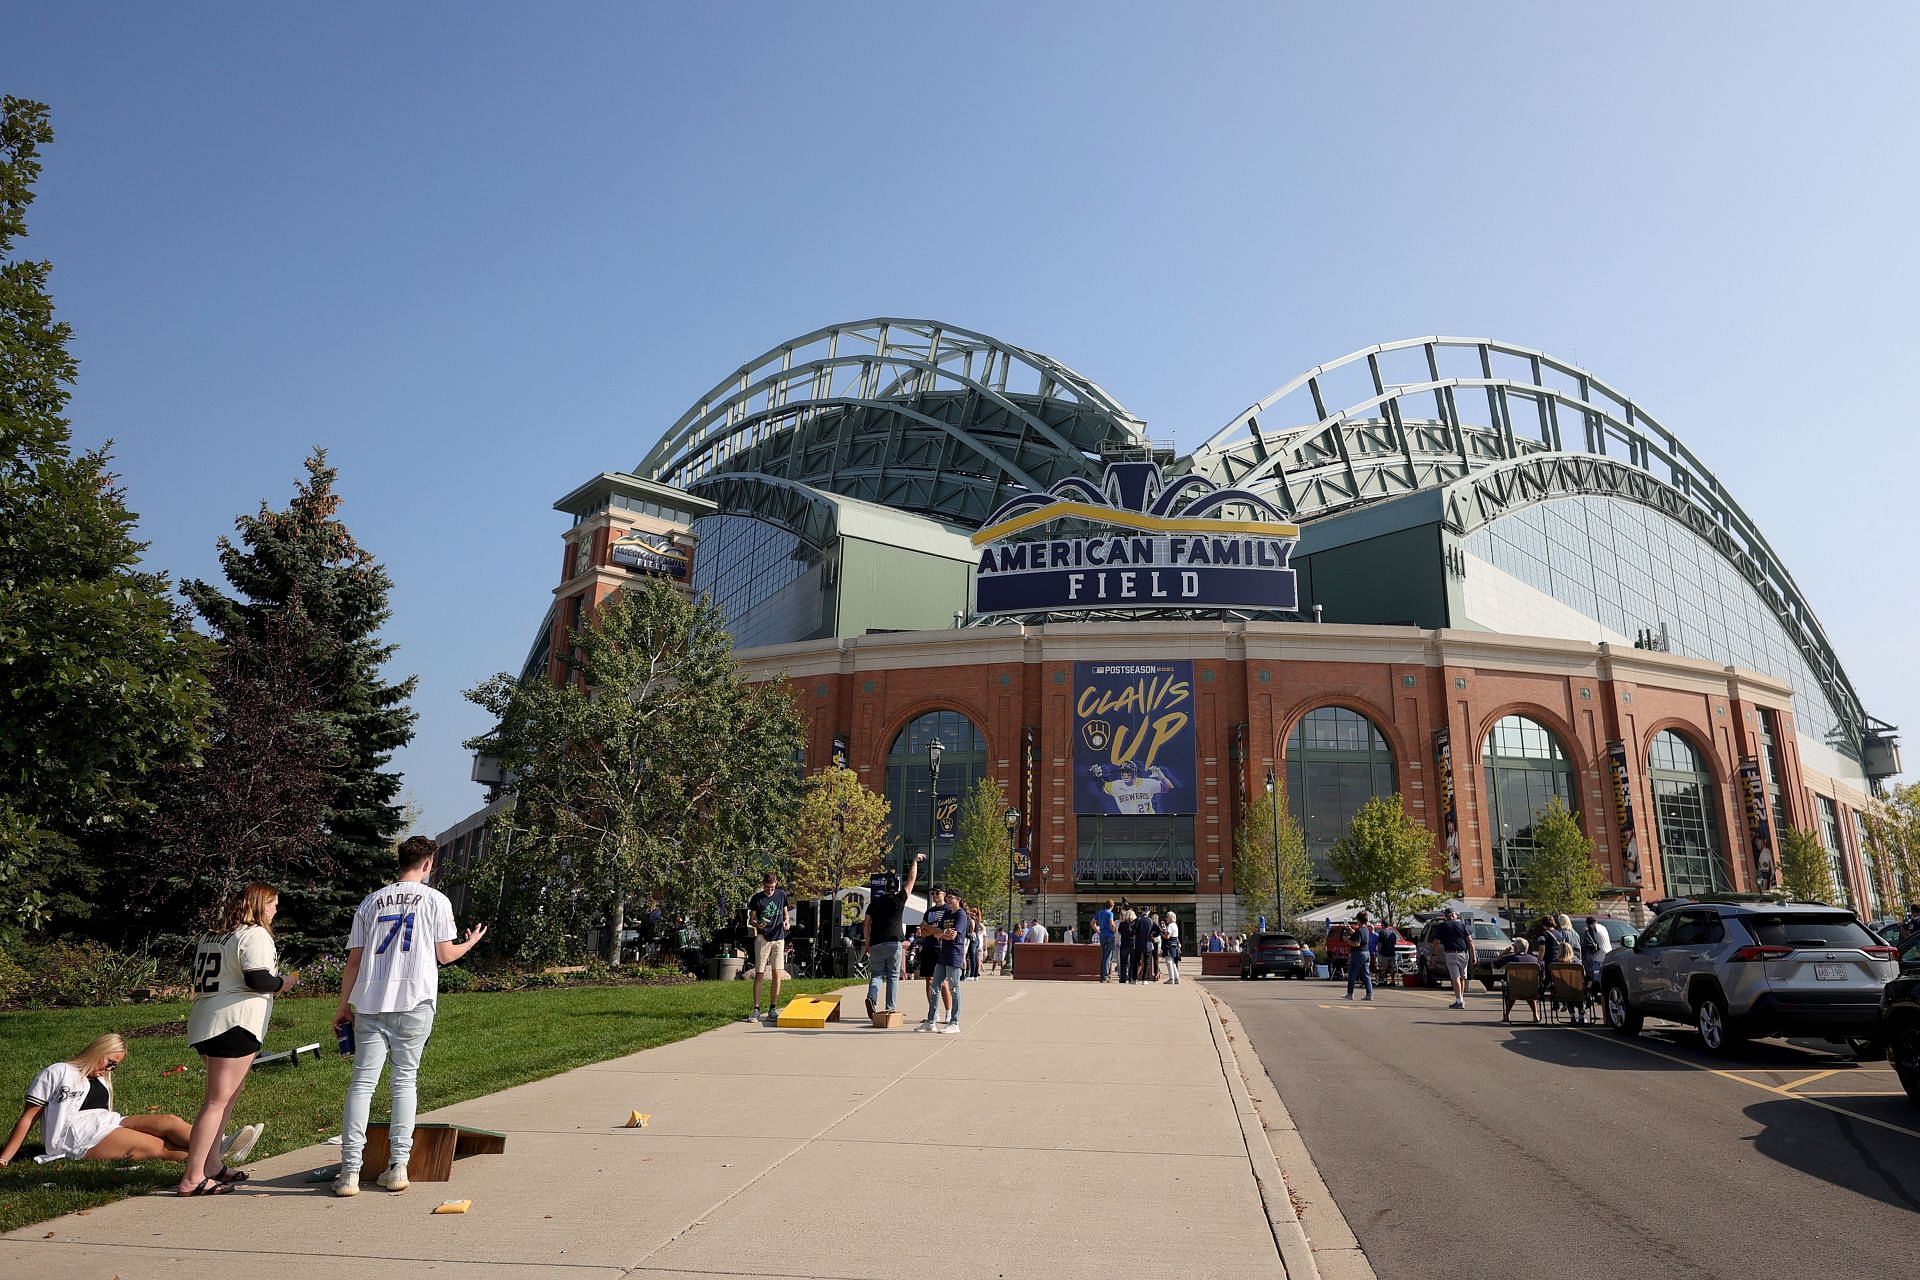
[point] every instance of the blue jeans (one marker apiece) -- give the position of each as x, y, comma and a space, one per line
1106, 958
375, 1035
886, 964
951, 975
1360, 968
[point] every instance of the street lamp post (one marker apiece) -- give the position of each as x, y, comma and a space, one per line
1046, 874
934, 749
1276, 847
1013, 838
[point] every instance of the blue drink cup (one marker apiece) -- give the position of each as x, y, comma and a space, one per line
343, 1031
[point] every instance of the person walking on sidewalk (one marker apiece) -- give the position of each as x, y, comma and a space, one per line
1126, 945
1172, 927
1456, 944
770, 914
1361, 940
883, 932
1103, 934
388, 995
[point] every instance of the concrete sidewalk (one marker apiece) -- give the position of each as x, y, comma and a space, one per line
1068, 1126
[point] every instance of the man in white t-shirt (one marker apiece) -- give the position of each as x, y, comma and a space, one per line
401, 936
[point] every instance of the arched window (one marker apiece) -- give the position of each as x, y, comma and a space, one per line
1526, 768
1691, 857
963, 760
1336, 762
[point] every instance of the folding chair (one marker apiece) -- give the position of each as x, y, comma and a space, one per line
1569, 979
1523, 983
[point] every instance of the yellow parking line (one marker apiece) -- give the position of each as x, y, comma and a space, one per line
1818, 1075
1773, 1089
1867, 1093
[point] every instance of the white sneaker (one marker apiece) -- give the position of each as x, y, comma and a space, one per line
950, 1028
752, 1017
928, 1025
241, 1145
394, 1179
346, 1184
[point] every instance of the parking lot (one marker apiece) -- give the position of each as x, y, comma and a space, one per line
1444, 1132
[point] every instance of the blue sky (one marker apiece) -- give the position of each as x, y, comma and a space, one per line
482, 254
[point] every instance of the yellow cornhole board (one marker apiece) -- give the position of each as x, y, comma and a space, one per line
810, 1011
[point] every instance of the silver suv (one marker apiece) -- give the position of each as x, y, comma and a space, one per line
1753, 969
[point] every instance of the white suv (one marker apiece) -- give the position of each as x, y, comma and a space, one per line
1736, 970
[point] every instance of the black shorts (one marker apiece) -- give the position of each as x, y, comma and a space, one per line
234, 1042
925, 959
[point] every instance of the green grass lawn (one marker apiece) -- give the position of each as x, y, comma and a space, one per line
482, 1043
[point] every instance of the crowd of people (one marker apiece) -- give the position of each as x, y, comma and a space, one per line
401, 934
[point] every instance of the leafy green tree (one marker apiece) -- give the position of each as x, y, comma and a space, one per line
660, 771
102, 680
1805, 873
1253, 862
840, 834
982, 863
1560, 875
1386, 859
1893, 841
302, 580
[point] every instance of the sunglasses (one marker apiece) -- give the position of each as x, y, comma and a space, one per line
111, 1063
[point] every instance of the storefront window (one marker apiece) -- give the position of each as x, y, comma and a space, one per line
1336, 761
1526, 768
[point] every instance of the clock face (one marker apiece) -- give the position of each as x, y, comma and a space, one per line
583, 556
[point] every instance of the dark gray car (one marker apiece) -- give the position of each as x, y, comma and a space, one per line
1737, 970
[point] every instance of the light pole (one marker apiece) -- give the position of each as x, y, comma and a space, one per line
1275, 805
1046, 874
1013, 835
934, 749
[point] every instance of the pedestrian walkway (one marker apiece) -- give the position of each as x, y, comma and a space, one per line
1068, 1125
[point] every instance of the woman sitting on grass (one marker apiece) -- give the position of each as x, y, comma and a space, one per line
73, 1102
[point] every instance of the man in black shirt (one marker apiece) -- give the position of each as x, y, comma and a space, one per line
1456, 944
883, 933
771, 917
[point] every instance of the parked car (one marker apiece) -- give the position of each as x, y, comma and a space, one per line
1738, 970
1281, 954
1489, 940
1900, 1019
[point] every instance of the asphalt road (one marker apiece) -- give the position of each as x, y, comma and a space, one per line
1459, 1147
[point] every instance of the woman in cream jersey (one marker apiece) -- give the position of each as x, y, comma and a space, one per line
235, 978
73, 1102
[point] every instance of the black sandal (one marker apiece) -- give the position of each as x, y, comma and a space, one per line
208, 1187
229, 1176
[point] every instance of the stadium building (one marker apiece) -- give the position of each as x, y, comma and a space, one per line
1452, 568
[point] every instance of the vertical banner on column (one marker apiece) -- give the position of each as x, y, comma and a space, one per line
1240, 763
946, 815
1760, 831
1134, 745
1623, 812
1449, 805
840, 756
1029, 766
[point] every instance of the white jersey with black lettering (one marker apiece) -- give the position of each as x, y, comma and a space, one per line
1136, 796
397, 929
221, 997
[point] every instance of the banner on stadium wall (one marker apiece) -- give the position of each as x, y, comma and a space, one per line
1754, 793
1133, 738
840, 755
1239, 757
1449, 807
1623, 811
1158, 545
1029, 766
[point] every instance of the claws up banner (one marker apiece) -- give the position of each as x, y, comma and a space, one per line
1134, 739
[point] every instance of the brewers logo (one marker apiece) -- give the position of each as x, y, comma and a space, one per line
1097, 734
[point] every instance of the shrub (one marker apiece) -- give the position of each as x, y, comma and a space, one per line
455, 978
13, 979
82, 974
323, 975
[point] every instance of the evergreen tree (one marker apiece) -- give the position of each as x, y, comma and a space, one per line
102, 680
302, 580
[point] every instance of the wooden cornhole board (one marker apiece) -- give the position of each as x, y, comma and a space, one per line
435, 1148
810, 1011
